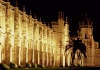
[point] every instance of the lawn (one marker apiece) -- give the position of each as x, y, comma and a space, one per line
60, 68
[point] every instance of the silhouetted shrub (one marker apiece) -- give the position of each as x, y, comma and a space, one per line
43, 66
13, 65
4, 67
61, 65
79, 65
39, 65
34, 65
28, 65
20, 66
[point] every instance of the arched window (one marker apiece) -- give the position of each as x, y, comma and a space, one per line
85, 36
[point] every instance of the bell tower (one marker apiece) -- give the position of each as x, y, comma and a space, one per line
86, 28
86, 34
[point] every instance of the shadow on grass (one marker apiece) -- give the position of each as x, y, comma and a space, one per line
59, 68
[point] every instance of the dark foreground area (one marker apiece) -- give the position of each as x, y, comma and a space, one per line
60, 68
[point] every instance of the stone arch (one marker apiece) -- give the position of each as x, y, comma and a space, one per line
2, 45
23, 52
30, 51
35, 52
24, 55
15, 54
7, 53
69, 58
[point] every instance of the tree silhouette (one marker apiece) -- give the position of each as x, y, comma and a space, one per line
76, 45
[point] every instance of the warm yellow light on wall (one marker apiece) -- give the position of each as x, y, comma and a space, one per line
12, 33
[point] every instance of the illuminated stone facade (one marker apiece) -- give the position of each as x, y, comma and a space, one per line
23, 39
85, 33
61, 31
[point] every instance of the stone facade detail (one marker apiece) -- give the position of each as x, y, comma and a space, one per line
85, 33
23, 39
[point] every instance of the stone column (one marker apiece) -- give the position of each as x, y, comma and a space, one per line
63, 60
42, 45
42, 58
30, 37
50, 60
28, 40
20, 46
37, 52
61, 57
0, 45
26, 50
7, 49
38, 57
54, 60
32, 41
11, 54
23, 52
24, 33
42, 54
27, 55
33, 51
63, 51
0, 53
19, 56
12, 45
46, 55
50, 56
68, 58
33, 57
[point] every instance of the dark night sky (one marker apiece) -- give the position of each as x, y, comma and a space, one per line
75, 10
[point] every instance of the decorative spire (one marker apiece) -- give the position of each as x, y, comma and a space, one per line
23, 8
79, 23
30, 12
35, 16
44, 21
85, 16
66, 19
40, 19
78, 32
16, 3
48, 24
63, 16
59, 15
